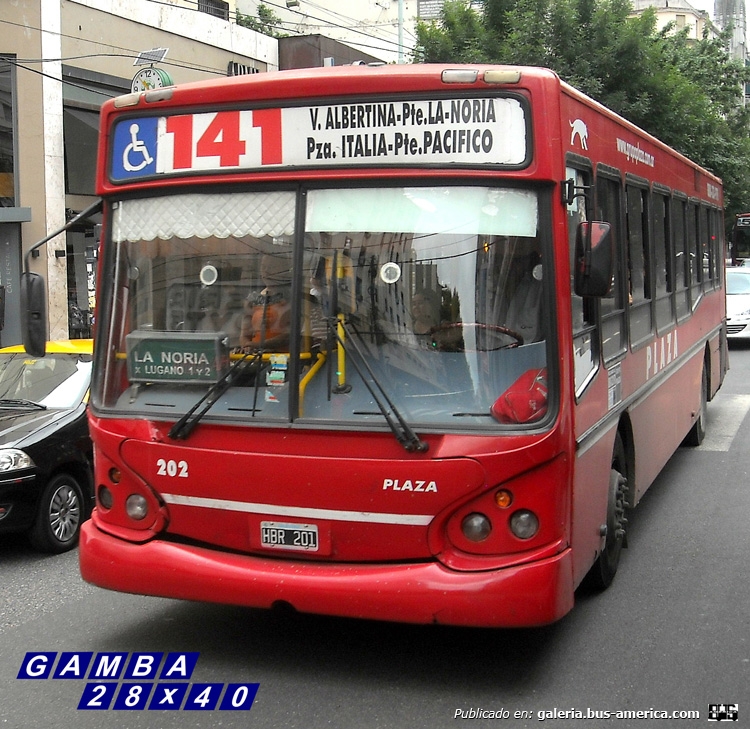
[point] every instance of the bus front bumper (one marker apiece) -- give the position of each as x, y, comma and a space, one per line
527, 595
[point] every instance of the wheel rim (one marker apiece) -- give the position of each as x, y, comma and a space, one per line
64, 513
616, 519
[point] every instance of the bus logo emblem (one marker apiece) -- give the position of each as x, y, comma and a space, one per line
579, 129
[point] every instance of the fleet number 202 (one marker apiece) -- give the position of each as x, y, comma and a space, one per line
174, 469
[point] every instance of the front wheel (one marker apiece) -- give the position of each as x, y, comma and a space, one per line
603, 571
59, 515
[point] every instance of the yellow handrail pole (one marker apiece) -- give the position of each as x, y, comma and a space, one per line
341, 362
319, 362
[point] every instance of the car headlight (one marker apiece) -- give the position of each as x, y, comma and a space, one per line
12, 459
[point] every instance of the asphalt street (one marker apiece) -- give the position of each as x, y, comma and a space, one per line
672, 634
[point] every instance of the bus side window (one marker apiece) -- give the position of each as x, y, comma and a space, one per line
682, 256
640, 289
612, 307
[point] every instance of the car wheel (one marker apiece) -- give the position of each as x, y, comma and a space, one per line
59, 515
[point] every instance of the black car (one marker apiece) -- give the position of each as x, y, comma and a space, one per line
46, 456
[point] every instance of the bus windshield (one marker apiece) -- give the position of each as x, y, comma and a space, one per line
430, 297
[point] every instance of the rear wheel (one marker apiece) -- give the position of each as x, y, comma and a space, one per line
698, 432
59, 515
603, 571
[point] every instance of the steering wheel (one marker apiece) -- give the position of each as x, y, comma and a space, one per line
495, 328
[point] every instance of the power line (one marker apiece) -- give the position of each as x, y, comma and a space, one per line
177, 63
54, 78
286, 26
331, 24
129, 56
126, 52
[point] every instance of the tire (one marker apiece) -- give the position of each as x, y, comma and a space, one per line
698, 432
60, 513
603, 571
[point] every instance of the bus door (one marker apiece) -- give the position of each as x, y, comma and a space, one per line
596, 325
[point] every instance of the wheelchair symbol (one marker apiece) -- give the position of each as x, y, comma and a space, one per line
135, 148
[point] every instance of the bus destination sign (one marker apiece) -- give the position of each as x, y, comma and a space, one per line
445, 131
198, 358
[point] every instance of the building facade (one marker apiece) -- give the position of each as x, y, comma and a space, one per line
732, 13
59, 60
727, 14
384, 29
681, 14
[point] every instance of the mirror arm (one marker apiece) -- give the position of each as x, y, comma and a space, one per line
87, 213
569, 191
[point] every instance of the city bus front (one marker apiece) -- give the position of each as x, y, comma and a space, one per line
336, 396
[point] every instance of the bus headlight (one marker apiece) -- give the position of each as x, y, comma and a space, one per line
12, 459
524, 524
136, 507
476, 527
106, 499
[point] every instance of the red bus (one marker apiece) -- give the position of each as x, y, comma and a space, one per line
399, 343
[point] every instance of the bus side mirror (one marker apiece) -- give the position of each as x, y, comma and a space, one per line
34, 314
594, 259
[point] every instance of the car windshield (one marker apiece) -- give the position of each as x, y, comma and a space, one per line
431, 298
738, 283
54, 381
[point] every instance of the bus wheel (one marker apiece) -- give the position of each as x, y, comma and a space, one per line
698, 432
603, 570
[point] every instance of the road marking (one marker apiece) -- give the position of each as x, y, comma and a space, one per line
725, 416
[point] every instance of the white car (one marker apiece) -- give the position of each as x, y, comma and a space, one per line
738, 302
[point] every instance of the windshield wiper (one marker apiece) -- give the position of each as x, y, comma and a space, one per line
399, 427
185, 425
21, 403
396, 422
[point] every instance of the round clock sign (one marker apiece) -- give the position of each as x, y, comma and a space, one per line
150, 78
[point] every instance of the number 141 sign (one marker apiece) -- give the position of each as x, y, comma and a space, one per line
225, 140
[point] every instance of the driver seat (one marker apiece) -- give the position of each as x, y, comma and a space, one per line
525, 311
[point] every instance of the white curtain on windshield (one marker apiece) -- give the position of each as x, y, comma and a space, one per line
202, 215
